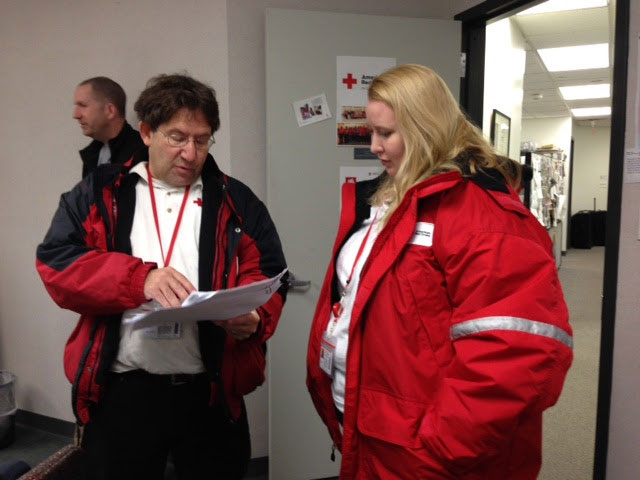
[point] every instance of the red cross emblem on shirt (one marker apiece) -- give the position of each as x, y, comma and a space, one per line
349, 81
198, 201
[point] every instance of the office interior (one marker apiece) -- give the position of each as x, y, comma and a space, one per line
49, 49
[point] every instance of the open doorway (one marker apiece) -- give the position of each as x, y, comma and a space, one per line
583, 423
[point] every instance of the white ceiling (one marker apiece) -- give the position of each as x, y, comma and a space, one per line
563, 29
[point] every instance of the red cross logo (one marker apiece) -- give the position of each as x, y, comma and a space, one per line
198, 201
349, 81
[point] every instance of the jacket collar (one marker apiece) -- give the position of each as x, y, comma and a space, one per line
489, 180
114, 144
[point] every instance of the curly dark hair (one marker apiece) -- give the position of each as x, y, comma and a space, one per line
165, 95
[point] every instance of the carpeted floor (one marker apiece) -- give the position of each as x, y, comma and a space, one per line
570, 426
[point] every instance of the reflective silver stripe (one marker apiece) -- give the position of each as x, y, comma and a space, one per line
510, 323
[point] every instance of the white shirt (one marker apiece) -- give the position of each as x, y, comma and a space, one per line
138, 348
340, 330
104, 156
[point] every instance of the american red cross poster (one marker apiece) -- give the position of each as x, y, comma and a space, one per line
354, 77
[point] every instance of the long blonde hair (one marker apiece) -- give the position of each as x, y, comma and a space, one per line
437, 135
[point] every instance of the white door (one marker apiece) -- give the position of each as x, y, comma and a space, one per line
303, 191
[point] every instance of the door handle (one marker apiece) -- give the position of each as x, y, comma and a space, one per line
294, 283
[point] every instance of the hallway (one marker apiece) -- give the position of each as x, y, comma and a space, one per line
569, 426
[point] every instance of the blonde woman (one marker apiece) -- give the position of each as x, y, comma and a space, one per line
441, 333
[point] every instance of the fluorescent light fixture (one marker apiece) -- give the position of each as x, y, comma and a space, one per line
591, 112
561, 5
581, 92
579, 57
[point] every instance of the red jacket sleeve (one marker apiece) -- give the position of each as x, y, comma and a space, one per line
75, 266
510, 334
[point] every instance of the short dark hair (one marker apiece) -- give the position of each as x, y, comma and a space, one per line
107, 90
165, 95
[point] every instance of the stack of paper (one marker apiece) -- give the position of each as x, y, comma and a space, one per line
216, 305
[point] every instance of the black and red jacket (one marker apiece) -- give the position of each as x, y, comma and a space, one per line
86, 265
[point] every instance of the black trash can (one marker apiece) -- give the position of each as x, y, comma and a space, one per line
582, 230
7, 408
599, 227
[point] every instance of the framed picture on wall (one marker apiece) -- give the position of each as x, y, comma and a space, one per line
500, 132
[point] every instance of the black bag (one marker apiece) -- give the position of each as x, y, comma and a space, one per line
598, 227
582, 230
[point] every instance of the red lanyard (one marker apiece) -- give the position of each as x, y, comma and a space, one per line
155, 217
336, 308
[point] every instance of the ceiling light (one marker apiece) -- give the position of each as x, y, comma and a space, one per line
580, 92
560, 5
580, 57
591, 112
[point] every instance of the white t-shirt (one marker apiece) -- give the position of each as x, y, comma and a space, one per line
168, 348
339, 329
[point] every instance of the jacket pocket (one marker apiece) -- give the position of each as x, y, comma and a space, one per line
391, 419
389, 443
247, 364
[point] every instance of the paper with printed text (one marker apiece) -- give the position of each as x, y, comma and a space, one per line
215, 305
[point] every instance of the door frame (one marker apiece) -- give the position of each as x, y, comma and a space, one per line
474, 21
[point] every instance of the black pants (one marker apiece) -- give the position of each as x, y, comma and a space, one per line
144, 418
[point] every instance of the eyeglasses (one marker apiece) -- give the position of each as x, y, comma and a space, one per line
179, 140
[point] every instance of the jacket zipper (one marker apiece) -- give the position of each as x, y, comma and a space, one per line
81, 369
225, 283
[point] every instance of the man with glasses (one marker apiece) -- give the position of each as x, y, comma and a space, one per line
130, 237
99, 108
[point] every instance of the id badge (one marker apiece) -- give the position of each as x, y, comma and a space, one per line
327, 352
165, 331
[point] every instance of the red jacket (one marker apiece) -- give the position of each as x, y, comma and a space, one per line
86, 265
458, 341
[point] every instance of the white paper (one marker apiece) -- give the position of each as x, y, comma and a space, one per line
561, 205
604, 180
216, 305
632, 165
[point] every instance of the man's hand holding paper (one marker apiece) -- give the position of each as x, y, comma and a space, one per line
235, 306
167, 286
242, 327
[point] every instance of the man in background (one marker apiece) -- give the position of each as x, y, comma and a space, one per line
99, 107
